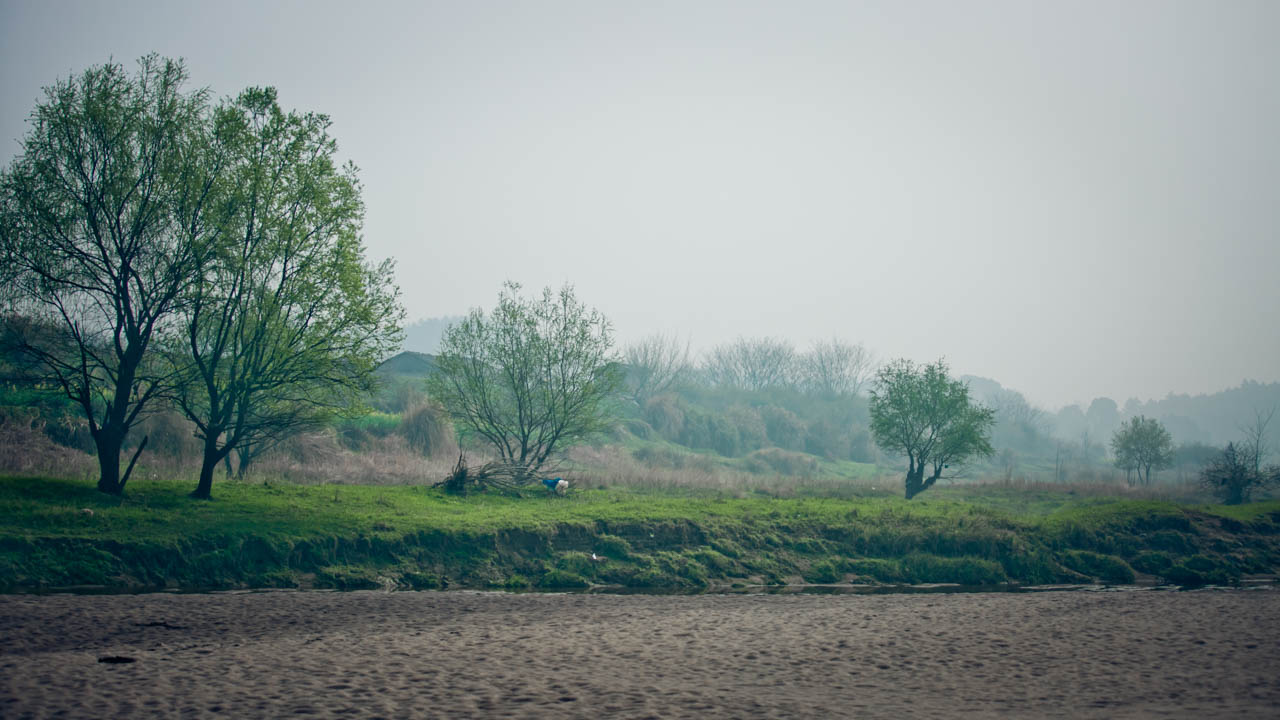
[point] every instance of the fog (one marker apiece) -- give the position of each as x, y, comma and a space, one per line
1078, 200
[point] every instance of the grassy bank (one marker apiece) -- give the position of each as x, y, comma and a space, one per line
60, 533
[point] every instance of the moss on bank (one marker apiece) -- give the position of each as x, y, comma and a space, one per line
61, 533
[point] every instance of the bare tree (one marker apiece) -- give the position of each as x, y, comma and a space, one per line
835, 368
1256, 444
753, 364
655, 365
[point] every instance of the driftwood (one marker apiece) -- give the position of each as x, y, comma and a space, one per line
502, 477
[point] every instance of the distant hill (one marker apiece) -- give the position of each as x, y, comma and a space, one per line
408, 364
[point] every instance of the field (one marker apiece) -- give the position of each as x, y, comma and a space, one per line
59, 533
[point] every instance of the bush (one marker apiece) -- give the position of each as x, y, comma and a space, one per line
782, 462
562, 579
1152, 562
823, 571
1107, 568
785, 429
921, 567
664, 415
169, 434
888, 571
612, 546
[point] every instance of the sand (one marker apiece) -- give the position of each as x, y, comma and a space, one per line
1076, 654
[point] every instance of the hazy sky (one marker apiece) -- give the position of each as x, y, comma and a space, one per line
1076, 199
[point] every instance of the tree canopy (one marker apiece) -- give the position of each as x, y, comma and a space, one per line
923, 414
532, 376
287, 321
155, 247
103, 223
1142, 445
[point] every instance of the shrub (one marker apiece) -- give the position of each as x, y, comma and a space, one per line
561, 579
877, 568
1105, 567
785, 429
922, 567
664, 415
749, 426
1152, 562
823, 571
782, 462
612, 546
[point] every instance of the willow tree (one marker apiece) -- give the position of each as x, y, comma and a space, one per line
531, 377
923, 414
103, 227
288, 320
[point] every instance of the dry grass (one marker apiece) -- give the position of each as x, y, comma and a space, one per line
609, 466
26, 450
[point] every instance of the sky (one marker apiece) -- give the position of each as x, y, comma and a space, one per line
1077, 199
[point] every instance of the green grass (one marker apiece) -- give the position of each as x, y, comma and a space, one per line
56, 533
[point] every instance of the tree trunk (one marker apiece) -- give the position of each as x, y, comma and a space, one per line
109, 443
212, 456
915, 482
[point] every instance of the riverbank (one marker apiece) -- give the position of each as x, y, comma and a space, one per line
1105, 654
56, 534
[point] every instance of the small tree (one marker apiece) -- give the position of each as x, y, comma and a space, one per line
655, 365
1142, 445
102, 219
1235, 474
530, 377
920, 412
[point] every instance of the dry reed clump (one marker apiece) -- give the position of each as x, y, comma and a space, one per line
606, 466
316, 458
1098, 484
427, 429
25, 449
783, 462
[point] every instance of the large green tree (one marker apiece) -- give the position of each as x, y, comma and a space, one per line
103, 225
921, 413
531, 377
288, 320
1142, 445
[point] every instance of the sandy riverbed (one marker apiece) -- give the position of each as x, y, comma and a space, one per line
463, 654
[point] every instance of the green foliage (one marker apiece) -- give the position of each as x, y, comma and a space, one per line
102, 232
612, 546
530, 377
1105, 567
923, 567
1152, 562
928, 417
1142, 444
823, 571
288, 321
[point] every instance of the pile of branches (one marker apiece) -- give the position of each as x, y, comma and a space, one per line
502, 477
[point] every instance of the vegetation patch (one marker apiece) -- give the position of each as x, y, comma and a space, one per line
63, 533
